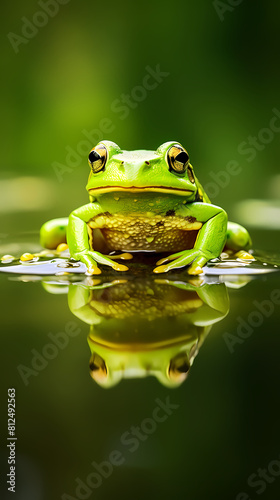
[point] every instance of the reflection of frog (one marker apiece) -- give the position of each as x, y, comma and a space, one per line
144, 327
145, 201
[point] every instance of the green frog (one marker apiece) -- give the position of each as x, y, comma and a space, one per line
145, 201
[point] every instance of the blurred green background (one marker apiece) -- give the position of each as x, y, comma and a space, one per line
221, 88
68, 76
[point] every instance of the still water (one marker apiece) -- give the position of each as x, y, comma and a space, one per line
137, 386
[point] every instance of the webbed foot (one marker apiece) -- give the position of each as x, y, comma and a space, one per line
91, 258
195, 259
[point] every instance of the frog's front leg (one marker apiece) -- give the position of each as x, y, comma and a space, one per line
209, 243
78, 240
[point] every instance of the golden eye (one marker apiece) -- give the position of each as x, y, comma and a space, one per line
97, 158
179, 367
178, 159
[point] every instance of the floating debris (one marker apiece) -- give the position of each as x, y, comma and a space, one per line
243, 255
46, 253
26, 257
67, 263
43, 268
6, 259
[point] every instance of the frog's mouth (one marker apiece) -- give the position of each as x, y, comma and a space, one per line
135, 189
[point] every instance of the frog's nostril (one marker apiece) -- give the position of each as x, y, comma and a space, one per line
145, 166
121, 166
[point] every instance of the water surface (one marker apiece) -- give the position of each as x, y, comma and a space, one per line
142, 386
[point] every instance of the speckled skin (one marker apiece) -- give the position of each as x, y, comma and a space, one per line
146, 201
141, 232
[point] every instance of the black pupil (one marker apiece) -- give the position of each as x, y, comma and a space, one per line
93, 156
183, 368
93, 367
182, 157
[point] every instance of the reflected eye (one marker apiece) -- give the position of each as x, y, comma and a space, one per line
179, 367
97, 158
98, 369
178, 159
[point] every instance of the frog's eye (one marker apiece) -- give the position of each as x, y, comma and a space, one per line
97, 158
98, 369
178, 159
179, 367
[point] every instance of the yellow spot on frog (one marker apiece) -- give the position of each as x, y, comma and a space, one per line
150, 239
26, 257
116, 198
135, 200
62, 247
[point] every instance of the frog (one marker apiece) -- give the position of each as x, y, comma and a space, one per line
145, 201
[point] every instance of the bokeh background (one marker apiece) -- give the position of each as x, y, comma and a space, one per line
63, 83
220, 86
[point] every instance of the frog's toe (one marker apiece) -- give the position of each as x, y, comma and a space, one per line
119, 267
196, 266
180, 259
195, 269
170, 257
92, 258
93, 270
192, 258
125, 256
175, 264
122, 256
161, 269
162, 261
92, 267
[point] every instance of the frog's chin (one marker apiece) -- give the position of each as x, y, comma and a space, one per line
135, 189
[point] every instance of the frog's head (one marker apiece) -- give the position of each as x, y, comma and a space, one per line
166, 170
170, 364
